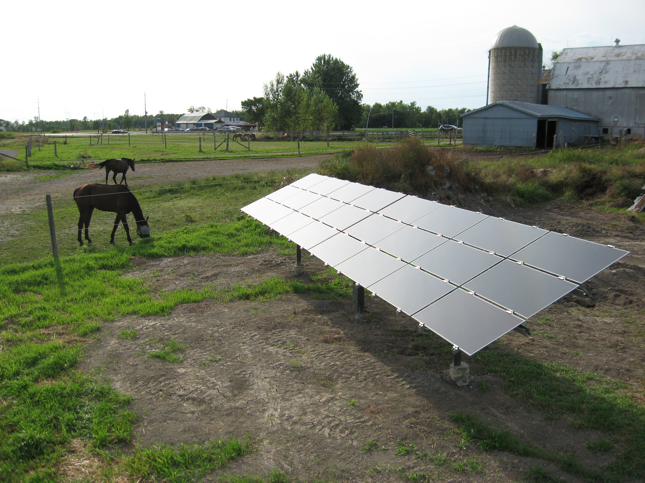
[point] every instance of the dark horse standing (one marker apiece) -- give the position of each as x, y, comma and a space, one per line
115, 198
115, 165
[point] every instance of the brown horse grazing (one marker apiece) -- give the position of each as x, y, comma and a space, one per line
115, 165
115, 198
237, 135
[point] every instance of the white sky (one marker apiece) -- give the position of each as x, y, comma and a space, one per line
97, 59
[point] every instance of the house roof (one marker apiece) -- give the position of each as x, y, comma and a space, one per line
225, 114
599, 67
196, 117
539, 111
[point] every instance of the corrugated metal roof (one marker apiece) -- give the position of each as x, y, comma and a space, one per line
599, 68
514, 37
540, 111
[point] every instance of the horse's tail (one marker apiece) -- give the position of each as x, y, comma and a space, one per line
98, 165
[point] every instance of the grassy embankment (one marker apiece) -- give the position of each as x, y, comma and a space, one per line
46, 405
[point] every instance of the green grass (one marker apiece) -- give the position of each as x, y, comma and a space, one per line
168, 352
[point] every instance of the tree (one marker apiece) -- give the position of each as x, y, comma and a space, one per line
127, 120
339, 82
255, 109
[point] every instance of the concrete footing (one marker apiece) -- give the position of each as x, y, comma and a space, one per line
298, 269
460, 373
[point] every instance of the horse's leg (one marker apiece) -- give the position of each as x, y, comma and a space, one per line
127, 228
81, 222
123, 178
86, 222
116, 225
107, 173
114, 173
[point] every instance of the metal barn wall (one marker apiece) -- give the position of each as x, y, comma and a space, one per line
627, 104
575, 131
499, 126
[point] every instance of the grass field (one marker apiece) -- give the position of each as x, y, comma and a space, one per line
49, 309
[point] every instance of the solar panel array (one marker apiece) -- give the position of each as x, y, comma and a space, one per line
468, 277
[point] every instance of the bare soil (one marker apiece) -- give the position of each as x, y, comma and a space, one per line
312, 385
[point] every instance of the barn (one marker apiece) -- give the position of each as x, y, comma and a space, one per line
605, 82
194, 120
523, 124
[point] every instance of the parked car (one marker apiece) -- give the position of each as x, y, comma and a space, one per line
201, 129
119, 131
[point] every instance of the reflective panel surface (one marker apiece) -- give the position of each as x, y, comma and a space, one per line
519, 288
501, 236
449, 221
410, 289
258, 207
467, 321
369, 266
321, 207
571, 257
350, 192
337, 249
377, 199
273, 214
409, 209
410, 243
328, 185
456, 262
309, 181
374, 228
301, 200
345, 217
312, 235
290, 223
283, 193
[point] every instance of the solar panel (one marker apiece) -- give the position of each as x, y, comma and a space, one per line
290, 223
449, 220
312, 234
301, 200
345, 217
350, 192
409, 209
467, 321
395, 289
467, 276
369, 266
309, 181
282, 194
568, 256
374, 228
377, 199
456, 262
327, 186
337, 249
522, 289
501, 236
409, 243
321, 207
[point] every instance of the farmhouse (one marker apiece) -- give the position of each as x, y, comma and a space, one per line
523, 124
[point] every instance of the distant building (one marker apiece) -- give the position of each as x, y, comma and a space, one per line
195, 120
227, 117
523, 124
604, 82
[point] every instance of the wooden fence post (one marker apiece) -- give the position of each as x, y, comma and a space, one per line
555, 141
248, 140
55, 149
165, 141
298, 147
228, 137
128, 139
214, 141
27, 156
327, 138
52, 229
200, 145
90, 139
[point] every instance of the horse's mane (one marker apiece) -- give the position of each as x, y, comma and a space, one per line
135, 207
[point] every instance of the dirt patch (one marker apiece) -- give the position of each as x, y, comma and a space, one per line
313, 386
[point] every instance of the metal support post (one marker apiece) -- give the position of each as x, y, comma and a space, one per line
358, 294
456, 356
459, 371
299, 269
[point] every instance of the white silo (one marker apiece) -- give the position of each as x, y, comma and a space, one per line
515, 66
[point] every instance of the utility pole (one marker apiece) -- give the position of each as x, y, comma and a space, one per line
145, 113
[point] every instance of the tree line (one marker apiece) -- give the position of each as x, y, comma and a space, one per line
325, 97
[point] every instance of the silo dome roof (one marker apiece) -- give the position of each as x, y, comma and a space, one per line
514, 37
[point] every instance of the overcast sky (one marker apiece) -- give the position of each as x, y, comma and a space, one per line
97, 59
